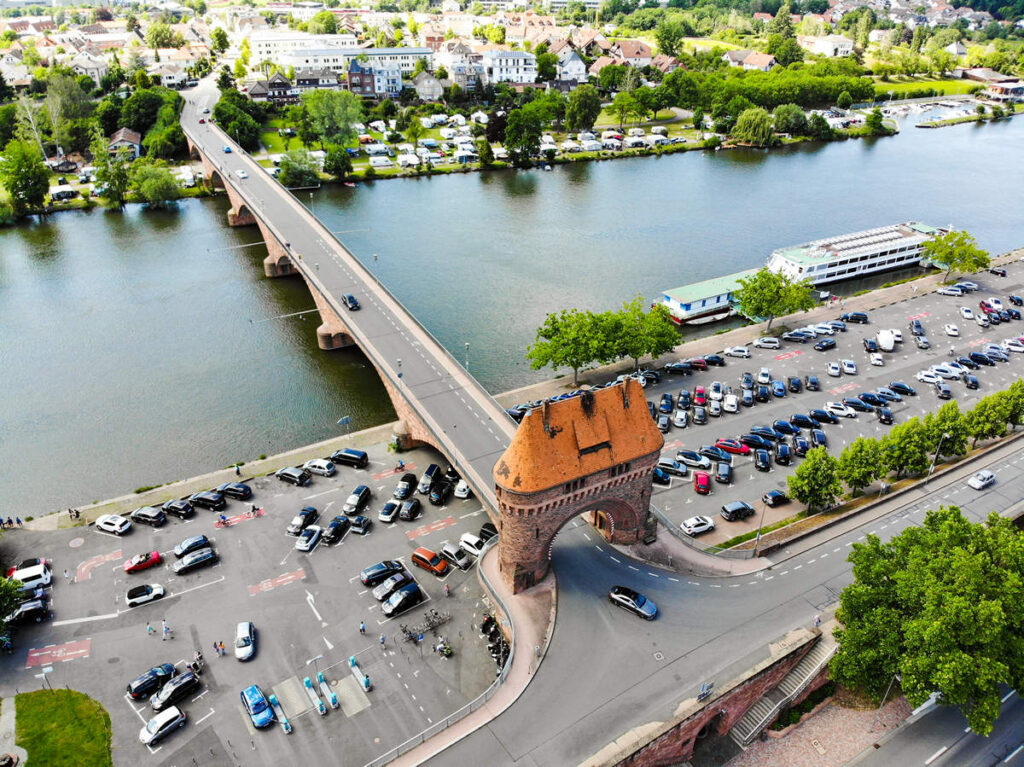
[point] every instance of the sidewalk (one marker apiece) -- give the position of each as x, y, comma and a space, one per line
7, 732
533, 614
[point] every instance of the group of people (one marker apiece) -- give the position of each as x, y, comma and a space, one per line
74, 514
9, 524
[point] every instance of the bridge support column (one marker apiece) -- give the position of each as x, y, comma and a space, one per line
278, 262
332, 333
409, 430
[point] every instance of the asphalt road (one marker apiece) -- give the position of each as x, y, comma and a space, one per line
474, 427
679, 500
942, 738
303, 605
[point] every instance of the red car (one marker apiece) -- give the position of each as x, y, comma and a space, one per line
142, 562
202, 121
733, 446
702, 482
700, 396
698, 363
35, 562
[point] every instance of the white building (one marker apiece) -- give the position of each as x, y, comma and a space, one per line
337, 59
93, 66
832, 46
571, 66
271, 45
510, 67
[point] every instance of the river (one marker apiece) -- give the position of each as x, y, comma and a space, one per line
143, 347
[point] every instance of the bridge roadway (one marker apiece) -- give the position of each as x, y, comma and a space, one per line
469, 426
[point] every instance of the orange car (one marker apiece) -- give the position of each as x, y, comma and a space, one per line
430, 561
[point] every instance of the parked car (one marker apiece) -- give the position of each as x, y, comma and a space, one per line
857, 317
294, 475
148, 515
694, 526
237, 490
775, 498
702, 482
834, 370
737, 510
141, 562
388, 512
357, 500
148, 682
377, 573
857, 404
723, 473
733, 446
410, 510
471, 544
767, 342
257, 707
321, 466
391, 584
805, 421
429, 560
884, 415
179, 507
783, 454
405, 598
982, 479
922, 342
797, 336
175, 690
738, 351
676, 468
811, 383
140, 595
818, 438
164, 723
308, 538
306, 516
693, 459
825, 345
823, 416
901, 388
245, 641
113, 523
456, 556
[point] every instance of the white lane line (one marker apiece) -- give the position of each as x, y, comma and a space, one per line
770, 577
797, 567
823, 556
87, 619
674, 580
200, 721
784, 572
714, 586
653, 575
835, 549
936, 755
1015, 752
693, 583
585, 535
633, 568
613, 559
812, 561
1008, 695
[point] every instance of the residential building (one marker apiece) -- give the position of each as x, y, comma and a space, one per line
272, 44
431, 36
125, 138
635, 53
602, 62
337, 59
762, 62
169, 75
313, 79
360, 79
665, 63
428, 87
571, 65
735, 58
831, 46
87, 64
277, 89
509, 67
1006, 91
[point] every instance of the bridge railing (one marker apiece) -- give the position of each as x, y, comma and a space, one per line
478, 701
483, 490
693, 543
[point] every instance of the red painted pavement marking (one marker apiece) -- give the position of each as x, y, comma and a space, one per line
676, 443
433, 527
58, 652
920, 316
844, 388
234, 520
84, 570
272, 583
788, 355
394, 472
978, 342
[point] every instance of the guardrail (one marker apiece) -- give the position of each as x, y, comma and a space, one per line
477, 702
483, 491
692, 542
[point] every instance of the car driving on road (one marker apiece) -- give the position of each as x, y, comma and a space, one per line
633, 601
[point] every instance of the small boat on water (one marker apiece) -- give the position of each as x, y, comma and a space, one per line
350, 184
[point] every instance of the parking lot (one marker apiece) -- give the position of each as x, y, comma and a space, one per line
679, 500
307, 609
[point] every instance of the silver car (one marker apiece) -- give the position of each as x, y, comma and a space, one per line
245, 640
633, 601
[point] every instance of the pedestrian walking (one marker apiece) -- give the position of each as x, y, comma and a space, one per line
10, 523
817, 621
238, 470
362, 627
71, 513
223, 652
18, 520
382, 640
447, 590
165, 630
149, 629
67, 576
78, 514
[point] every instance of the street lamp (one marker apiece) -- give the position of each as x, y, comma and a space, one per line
467, 356
935, 457
315, 661
44, 676
757, 541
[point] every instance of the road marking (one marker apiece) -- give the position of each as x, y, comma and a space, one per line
86, 619
812, 561
281, 580
84, 570
714, 586
822, 556
1008, 696
433, 527
200, 721
770, 577
587, 536
58, 652
1015, 752
784, 572
797, 567
325, 492
634, 568
835, 549
613, 559
653, 575
674, 580
936, 755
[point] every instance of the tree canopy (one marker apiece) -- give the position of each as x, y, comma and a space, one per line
299, 169
25, 176
956, 251
815, 483
942, 607
333, 114
769, 294
154, 183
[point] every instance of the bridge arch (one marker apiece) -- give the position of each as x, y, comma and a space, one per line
594, 455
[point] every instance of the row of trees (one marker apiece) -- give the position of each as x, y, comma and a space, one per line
576, 338
910, 448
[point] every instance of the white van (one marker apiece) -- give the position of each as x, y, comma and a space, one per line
380, 162
34, 577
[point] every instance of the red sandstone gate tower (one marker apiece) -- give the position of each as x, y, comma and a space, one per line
591, 454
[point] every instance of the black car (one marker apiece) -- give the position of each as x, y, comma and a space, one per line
723, 472
783, 454
294, 475
358, 459
794, 384
800, 419
357, 500
982, 359
818, 438
150, 681
700, 414
796, 336
714, 359
1014, 313
762, 460
1004, 315
148, 515
661, 477
175, 690
684, 399
870, 345
747, 398
786, 427
405, 487
998, 271
812, 383
737, 510
208, 499
651, 376
452, 475
31, 611
901, 388
762, 394
1017, 300
859, 317
857, 404
800, 446
237, 490
884, 415
967, 362
679, 368
189, 545
994, 318
916, 328
756, 442
825, 344
440, 492
823, 416
350, 302
410, 509
871, 398
405, 598
653, 411
307, 516
179, 507
775, 498
768, 433
998, 356
516, 414
381, 571
715, 453
971, 382
336, 529
195, 560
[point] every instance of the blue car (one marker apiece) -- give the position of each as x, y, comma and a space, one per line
257, 707
227, 149
778, 389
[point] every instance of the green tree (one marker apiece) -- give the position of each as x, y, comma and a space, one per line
845, 100
159, 35
769, 294
782, 24
582, 108
25, 176
815, 483
337, 163
989, 417
219, 40
956, 250
299, 169
698, 121
860, 463
113, 172
324, 23
949, 427
754, 126
818, 128
139, 111
905, 448
875, 124
636, 333
522, 135
569, 338
942, 606
6, 91
669, 36
623, 106
1014, 402
547, 67
788, 52
154, 183
333, 114
483, 148
789, 118
415, 131
10, 597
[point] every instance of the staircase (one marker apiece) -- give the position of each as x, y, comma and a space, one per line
762, 713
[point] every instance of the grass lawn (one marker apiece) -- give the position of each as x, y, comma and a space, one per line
904, 84
706, 43
63, 727
608, 119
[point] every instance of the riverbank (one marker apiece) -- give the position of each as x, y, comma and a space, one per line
987, 117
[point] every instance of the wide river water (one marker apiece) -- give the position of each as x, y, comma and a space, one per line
142, 347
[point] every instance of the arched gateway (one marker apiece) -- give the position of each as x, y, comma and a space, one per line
593, 453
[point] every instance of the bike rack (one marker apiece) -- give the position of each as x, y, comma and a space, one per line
363, 679
329, 694
314, 698
275, 704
